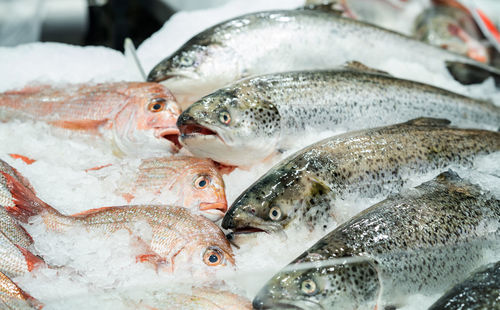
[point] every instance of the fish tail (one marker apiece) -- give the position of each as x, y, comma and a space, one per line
26, 203
32, 261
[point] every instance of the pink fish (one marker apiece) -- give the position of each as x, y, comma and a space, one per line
140, 117
13, 297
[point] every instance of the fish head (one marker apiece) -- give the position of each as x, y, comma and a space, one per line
205, 189
147, 123
233, 126
197, 68
310, 283
275, 200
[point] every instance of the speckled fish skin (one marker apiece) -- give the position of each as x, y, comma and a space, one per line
195, 183
8, 226
268, 112
199, 298
416, 242
439, 25
305, 186
281, 41
480, 291
174, 236
125, 110
14, 298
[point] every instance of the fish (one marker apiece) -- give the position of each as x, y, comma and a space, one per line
481, 290
9, 228
258, 117
138, 118
415, 242
452, 28
294, 40
177, 238
303, 189
14, 298
16, 260
193, 183
199, 298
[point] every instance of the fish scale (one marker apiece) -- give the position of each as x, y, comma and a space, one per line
317, 101
418, 241
370, 162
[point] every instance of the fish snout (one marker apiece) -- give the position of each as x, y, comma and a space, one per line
228, 220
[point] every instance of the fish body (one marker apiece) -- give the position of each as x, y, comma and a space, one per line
415, 242
267, 113
14, 298
306, 185
480, 291
140, 117
451, 28
281, 41
176, 235
16, 260
9, 228
193, 183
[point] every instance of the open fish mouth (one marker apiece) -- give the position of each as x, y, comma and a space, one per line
170, 134
195, 130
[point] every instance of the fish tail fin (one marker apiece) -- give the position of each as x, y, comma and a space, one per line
469, 73
26, 203
32, 261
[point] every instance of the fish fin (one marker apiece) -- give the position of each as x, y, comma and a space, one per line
26, 203
21, 178
359, 66
224, 169
468, 73
331, 8
98, 168
80, 125
27, 90
428, 121
27, 160
448, 175
128, 197
32, 260
90, 211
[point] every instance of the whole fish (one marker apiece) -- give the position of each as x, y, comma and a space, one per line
140, 117
452, 28
193, 183
367, 163
480, 291
416, 242
279, 41
14, 298
199, 298
178, 236
251, 119
9, 228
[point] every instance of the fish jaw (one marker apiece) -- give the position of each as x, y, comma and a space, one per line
240, 220
213, 211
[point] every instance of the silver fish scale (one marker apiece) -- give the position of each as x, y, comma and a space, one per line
418, 241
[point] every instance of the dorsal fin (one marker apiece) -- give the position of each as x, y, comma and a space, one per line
428, 121
331, 8
358, 66
448, 175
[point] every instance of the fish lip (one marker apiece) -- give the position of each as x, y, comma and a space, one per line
251, 223
170, 134
196, 130
214, 206
292, 304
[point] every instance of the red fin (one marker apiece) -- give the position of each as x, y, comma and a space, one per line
27, 204
80, 125
32, 260
98, 168
224, 169
27, 160
489, 24
128, 197
91, 211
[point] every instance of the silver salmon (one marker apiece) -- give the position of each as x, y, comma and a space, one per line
306, 185
416, 242
280, 41
252, 119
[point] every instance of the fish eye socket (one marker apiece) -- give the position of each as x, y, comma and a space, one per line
308, 287
225, 117
201, 182
157, 105
275, 213
186, 60
213, 257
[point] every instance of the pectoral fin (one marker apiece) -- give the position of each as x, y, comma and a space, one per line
358, 66
80, 124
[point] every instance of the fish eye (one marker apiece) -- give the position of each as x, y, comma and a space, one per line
225, 117
201, 182
308, 287
157, 105
275, 213
213, 257
186, 61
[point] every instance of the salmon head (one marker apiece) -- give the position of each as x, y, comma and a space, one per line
146, 124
